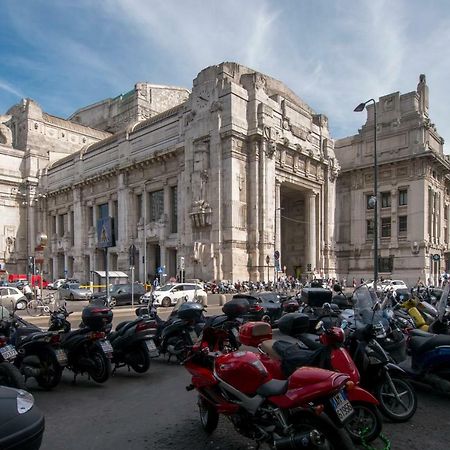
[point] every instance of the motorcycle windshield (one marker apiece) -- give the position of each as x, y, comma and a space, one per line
366, 312
442, 307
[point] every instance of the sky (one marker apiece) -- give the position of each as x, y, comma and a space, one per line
334, 54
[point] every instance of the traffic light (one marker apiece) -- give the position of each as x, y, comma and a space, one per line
31, 264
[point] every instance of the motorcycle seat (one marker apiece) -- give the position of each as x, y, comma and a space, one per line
24, 334
422, 344
267, 348
272, 388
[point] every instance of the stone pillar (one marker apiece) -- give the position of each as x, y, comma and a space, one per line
312, 231
123, 213
56, 269
278, 213
167, 212
253, 219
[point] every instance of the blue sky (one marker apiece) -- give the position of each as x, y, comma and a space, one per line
332, 53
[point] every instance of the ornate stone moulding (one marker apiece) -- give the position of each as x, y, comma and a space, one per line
201, 214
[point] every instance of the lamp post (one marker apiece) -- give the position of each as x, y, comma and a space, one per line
374, 199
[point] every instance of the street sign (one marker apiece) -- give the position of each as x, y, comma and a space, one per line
39, 254
105, 232
436, 257
181, 262
276, 255
132, 255
161, 270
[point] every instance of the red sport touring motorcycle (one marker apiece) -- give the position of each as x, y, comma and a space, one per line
308, 410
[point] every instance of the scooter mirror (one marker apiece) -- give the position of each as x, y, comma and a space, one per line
319, 325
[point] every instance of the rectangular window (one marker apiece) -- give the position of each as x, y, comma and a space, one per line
402, 225
90, 216
102, 211
156, 205
60, 225
402, 197
386, 227
369, 229
445, 212
386, 264
53, 224
116, 218
445, 235
385, 199
174, 203
369, 204
138, 207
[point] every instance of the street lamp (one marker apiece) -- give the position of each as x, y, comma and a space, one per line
374, 199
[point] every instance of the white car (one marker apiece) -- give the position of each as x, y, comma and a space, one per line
9, 296
394, 284
56, 284
169, 294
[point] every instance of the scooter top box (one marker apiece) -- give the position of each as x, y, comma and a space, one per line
316, 297
96, 317
253, 333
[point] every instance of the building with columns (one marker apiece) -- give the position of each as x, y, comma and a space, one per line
222, 177
413, 187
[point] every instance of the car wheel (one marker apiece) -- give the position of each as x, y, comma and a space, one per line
266, 318
112, 302
166, 302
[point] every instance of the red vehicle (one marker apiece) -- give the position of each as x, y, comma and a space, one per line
35, 279
282, 357
308, 410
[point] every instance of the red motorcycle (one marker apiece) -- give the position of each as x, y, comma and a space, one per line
282, 358
308, 410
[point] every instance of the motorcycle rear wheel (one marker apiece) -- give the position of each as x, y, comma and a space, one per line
368, 417
102, 369
390, 406
10, 376
51, 371
335, 438
140, 359
209, 418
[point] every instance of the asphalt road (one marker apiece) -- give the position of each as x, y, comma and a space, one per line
154, 411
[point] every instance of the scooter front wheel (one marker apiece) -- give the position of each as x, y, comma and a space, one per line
102, 367
398, 400
209, 418
139, 358
365, 424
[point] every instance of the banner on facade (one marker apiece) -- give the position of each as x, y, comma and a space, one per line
105, 232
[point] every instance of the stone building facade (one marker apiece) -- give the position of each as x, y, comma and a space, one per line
413, 188
221, 177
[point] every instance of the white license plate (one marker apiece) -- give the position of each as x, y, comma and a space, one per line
106, 346
61, 356
342, 406
8, 352
193, 336
151, 348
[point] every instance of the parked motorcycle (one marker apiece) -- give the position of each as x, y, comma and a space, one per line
308, 410
39, 353
283, 357
88, 349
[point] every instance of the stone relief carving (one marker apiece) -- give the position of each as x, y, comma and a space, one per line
189, 117
271, 148
216, 106
5, 131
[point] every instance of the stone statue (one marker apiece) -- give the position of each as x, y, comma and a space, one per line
422, 90
5, 131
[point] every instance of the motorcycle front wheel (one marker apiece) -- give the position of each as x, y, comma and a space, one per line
139, 358
398, 400
333, 438
366, 423
10, 376
50, 371
209, 418
102, 367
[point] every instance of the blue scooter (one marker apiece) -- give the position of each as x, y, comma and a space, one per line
430, 354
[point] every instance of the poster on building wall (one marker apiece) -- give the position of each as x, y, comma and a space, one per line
105, 232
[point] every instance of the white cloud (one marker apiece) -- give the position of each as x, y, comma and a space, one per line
10, 89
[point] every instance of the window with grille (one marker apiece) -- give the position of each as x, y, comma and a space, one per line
156, 205
369, 229
103, 211
385, 199
402, 197
402, 225
385, 227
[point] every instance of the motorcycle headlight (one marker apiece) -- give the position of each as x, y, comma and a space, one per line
25, 401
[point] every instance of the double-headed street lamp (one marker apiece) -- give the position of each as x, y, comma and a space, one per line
374, 199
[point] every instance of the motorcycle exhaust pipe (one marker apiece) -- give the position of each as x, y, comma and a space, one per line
307, 441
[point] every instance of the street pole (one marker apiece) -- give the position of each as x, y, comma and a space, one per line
132, 286
360, 108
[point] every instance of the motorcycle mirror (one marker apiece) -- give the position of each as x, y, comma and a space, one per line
376, 306
326, 306
319, 325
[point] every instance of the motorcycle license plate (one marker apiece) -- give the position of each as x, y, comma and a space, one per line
342, 406
61, 356
151, 348
106, 347
193, 336
8, 352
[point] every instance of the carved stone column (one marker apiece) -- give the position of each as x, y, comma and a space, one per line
311, 198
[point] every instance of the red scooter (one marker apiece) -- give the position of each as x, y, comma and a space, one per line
283, 357
307, 410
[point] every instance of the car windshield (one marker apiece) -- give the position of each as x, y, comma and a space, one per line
74, 286
364, 300
166, 287
115, 287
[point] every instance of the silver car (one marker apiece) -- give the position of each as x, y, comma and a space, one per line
73, 291
10, 296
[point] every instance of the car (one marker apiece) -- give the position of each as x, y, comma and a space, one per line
56, 284
120, 294
22, 425
169, 294
394, 284
73, 291
10, 296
